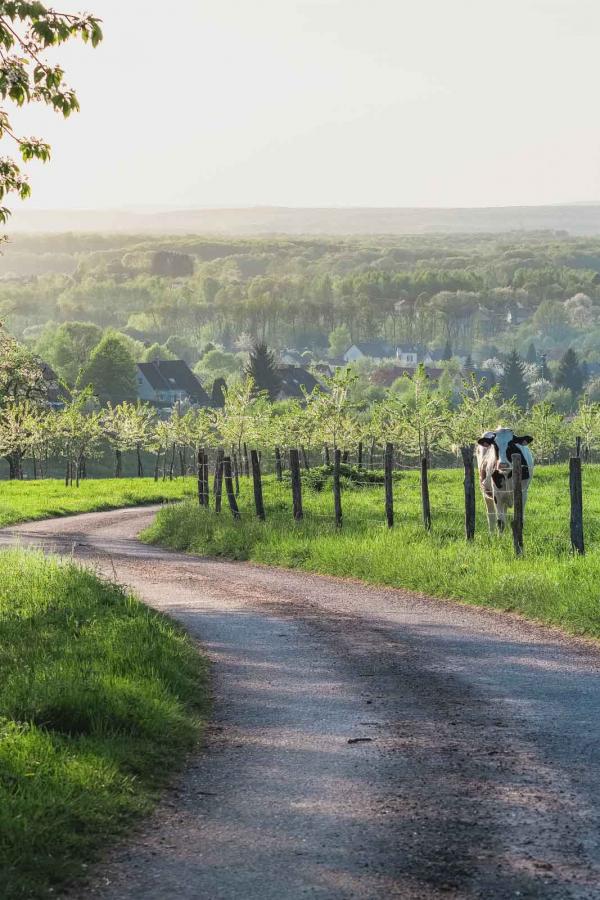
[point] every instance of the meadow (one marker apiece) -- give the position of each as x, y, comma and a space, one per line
548, 584
24, 501
100, 700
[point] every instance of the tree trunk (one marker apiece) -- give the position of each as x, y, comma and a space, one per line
140, 467
118, 463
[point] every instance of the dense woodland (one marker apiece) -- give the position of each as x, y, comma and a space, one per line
207, 300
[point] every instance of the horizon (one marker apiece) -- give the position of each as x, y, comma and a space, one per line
312, 104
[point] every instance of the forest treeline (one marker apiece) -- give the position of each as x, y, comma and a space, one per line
484, 295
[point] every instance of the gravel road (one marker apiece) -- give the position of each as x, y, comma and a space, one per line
365, 743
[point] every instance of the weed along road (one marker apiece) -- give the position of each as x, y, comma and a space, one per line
365, 742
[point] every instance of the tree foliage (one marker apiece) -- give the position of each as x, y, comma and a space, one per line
27, 31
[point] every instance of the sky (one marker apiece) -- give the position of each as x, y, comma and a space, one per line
232, 103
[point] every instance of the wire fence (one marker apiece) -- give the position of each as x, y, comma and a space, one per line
337, 494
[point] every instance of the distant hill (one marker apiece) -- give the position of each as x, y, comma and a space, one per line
577, 219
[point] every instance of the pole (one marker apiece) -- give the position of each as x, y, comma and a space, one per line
257, 483
517, 525
467, 455
425, 504
577, 541
296, 484
229, 487
389, 486
337, 489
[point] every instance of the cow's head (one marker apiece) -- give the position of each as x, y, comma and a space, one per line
505, 444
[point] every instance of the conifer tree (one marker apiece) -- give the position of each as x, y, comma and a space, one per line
262, 368
532, 356
512, 383
569, 373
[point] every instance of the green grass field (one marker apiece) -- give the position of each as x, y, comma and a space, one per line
548, 584
23, 501
100, 700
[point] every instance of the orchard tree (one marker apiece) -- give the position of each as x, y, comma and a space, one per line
586, 425
27, 32
21, 373
549, 429
19, 421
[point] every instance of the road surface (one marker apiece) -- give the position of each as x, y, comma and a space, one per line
365, 742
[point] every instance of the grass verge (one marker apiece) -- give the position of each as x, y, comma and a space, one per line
100, 700
24, 501
548, 584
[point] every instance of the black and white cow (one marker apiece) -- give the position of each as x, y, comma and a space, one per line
494, 459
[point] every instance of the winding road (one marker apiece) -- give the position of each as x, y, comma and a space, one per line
365, 742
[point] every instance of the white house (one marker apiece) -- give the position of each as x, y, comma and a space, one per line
407, 355
368, 350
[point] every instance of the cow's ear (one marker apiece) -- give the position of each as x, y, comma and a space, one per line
485, 441
526, 439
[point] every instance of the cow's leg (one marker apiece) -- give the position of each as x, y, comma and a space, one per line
502, 505
491, 512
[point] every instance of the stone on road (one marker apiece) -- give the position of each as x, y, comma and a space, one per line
365, 742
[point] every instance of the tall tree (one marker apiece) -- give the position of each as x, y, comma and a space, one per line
569, 373
27, 30
512, 383
68, 347
110, 372
262, 369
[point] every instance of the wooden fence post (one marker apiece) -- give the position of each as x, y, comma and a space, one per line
389, 484
201, 471
467, 455
425, 504
229, 487
296, 484
257, 482
206, 479
278, 471
337, 490
218, 482
577, 541
517, 524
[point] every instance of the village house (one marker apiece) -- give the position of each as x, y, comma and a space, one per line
166, 382
369, 350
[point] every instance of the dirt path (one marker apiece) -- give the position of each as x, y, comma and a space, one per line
366, 743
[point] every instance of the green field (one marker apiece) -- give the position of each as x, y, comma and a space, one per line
547, 584
24, 501
100, 700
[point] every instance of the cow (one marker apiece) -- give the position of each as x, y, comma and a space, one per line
495, 450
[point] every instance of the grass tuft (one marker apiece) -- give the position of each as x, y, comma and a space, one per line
100, 700
25, 501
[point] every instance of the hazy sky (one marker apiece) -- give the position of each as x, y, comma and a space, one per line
329, 102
